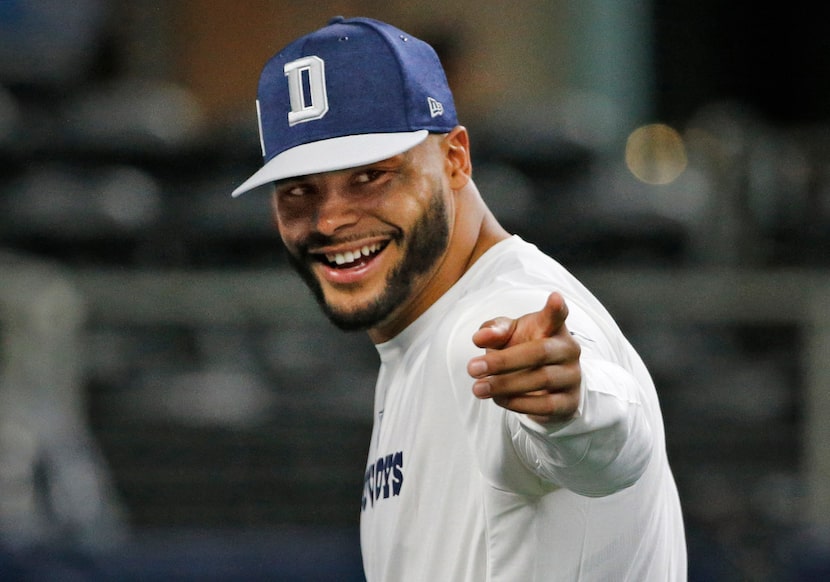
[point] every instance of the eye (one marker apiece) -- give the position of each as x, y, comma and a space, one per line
293, 190
367, 176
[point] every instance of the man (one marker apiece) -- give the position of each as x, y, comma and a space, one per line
550, 463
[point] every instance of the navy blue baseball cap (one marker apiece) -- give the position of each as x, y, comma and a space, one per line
352, 93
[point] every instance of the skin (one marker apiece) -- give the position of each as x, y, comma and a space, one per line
422, 222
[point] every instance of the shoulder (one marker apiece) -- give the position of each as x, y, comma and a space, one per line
452, 338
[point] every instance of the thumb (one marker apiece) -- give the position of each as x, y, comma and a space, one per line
495, 333
544, 323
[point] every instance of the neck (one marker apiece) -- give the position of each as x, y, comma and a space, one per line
474, 231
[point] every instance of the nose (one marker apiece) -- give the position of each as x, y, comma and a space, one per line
335, 211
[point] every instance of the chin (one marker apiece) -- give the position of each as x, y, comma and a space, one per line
351, 320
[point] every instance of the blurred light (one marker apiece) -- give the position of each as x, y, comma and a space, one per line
135, 115
655, 154
211, 397
68, 200
131, 197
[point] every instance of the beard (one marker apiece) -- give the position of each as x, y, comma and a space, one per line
422, 249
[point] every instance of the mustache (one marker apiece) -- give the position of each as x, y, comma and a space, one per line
317, 240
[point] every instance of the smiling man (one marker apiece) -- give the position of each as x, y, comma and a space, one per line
517, 447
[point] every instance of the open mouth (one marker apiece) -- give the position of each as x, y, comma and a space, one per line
352, 258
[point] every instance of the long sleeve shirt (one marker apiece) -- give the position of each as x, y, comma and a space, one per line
459, 489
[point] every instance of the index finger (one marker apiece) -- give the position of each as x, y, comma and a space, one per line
552, 316
502, 332
529, 354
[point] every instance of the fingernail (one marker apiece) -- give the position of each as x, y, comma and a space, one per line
477, 368
482, 389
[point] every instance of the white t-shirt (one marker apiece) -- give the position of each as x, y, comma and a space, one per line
459, 489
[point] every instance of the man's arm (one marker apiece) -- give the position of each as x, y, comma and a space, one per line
581, 423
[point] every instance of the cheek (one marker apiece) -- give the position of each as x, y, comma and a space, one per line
290, 237
287, 219
410, 205
285, 228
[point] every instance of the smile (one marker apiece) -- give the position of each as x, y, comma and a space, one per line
353, 257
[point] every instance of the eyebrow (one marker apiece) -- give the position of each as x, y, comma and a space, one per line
293, 179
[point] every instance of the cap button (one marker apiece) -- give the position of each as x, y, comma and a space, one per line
336, 20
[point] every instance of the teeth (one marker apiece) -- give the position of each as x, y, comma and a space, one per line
352, 256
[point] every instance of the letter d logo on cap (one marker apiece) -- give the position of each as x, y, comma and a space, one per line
311, 105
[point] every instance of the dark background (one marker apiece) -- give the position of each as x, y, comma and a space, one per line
214, 427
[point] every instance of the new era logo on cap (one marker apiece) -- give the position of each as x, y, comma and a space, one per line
352, 93
435, 107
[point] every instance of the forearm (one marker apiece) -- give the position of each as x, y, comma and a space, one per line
604, 448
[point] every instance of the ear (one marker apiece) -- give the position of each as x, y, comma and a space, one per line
458, 162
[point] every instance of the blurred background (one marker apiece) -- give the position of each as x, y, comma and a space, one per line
172, 405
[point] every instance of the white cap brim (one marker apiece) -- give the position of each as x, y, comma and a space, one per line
328, 155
